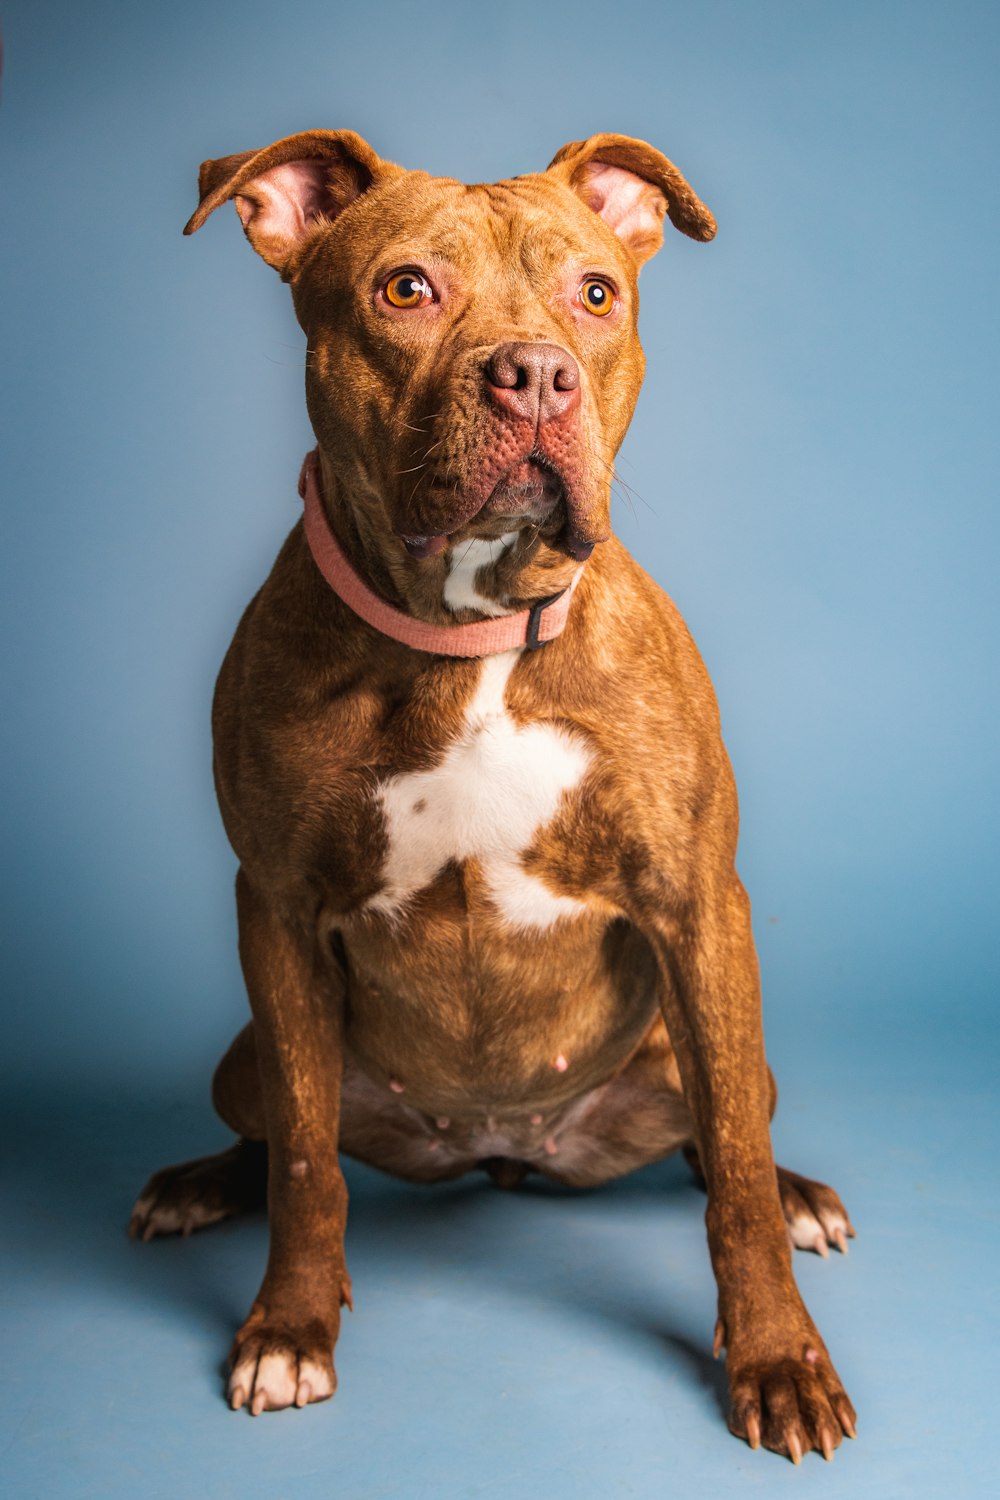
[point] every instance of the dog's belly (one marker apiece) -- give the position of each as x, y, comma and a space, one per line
461, 1014
636, 1116
496, 787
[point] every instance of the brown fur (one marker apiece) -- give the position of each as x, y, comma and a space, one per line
444, 1038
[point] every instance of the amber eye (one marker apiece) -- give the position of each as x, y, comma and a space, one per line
597, 296
408, 289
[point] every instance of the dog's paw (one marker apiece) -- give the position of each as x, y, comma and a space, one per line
791, 1405
815, 1216
177, 1200
276, 1364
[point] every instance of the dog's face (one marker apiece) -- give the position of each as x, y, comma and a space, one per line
473, 356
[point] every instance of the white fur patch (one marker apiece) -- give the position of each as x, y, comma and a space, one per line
274, 1381
467, 558
496, 786
805, 1230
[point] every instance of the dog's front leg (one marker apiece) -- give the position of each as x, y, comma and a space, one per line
784, 1390
283, 1354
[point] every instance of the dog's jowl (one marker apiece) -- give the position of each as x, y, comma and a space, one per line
470, 762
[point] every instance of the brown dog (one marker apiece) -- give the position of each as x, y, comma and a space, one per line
487, 904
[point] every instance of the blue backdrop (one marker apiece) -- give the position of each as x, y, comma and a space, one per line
822, 376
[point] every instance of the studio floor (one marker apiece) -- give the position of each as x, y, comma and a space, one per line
527, 1345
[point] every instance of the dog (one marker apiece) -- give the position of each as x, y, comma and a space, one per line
470, 762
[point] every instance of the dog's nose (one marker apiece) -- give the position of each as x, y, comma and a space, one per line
533, 381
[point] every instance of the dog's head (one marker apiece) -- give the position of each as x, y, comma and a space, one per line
473, 356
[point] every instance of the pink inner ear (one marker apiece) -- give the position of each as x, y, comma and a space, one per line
284, 201
630, 206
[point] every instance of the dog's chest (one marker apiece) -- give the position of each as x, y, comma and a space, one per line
493, 791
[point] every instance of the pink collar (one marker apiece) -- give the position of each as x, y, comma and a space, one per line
529, 627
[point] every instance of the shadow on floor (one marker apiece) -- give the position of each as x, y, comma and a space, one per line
74, 1165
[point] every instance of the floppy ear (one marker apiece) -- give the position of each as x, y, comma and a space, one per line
284, 190
631, 186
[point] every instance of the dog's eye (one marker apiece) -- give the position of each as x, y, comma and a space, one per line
408, 289
597, 296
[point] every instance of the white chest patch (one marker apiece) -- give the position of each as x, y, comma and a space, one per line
496, 786
460, 590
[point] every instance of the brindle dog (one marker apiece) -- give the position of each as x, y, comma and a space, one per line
488, 910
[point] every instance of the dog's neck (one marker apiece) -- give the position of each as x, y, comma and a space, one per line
476, 577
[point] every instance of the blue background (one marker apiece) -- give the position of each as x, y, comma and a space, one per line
814, 475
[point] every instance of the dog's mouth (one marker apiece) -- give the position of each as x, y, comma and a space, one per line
531, 493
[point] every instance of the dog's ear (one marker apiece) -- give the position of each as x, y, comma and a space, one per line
284, 190
632, 186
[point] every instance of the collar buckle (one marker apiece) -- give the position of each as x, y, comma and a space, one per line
535, 621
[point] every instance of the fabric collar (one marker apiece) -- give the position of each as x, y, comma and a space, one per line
532, 627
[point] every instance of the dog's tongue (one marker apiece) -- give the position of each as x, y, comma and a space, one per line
425, 546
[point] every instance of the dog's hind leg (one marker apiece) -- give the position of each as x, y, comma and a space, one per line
815, 1216
193, 1194
814, 1213
642, 1115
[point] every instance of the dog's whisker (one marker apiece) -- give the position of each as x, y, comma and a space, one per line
432, 417
409, 501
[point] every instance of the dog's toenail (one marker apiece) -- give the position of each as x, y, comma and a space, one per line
560, 1064
299, 1168
395, 1085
